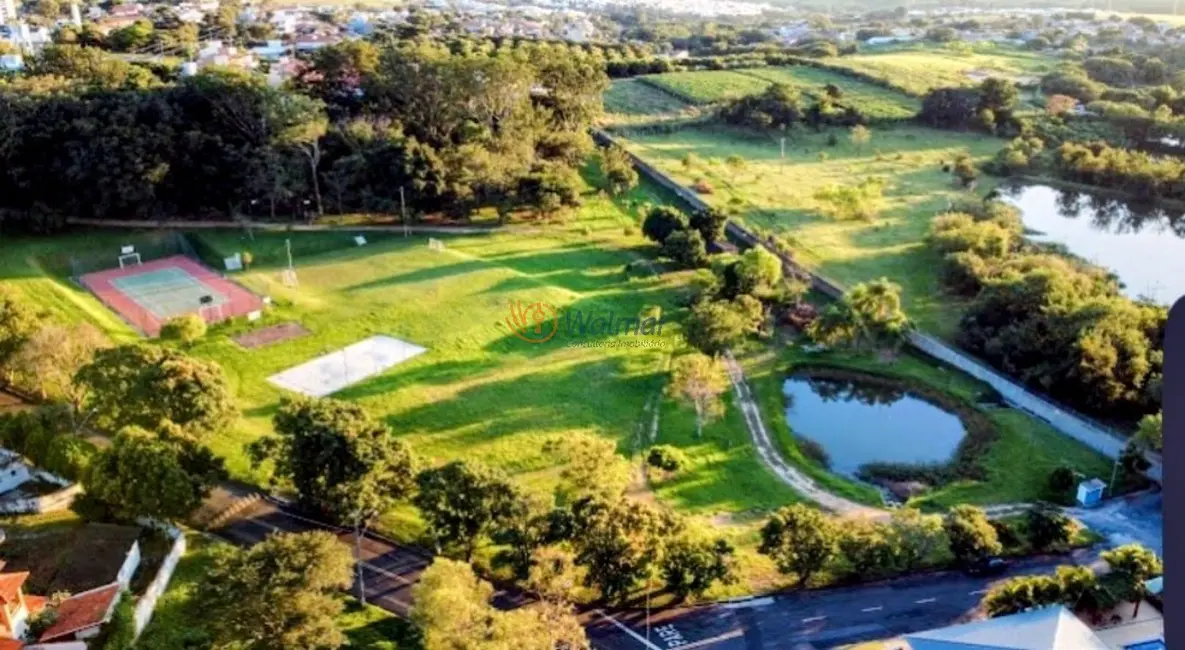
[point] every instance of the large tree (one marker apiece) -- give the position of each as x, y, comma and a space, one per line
869, 313
279, 594
18, 322
971, 535
463, 503
162, 475
690, 565
143, 385
801, 541
618, 542
342, 463
916, 537
51, 358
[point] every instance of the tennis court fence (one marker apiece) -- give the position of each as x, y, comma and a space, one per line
151, 245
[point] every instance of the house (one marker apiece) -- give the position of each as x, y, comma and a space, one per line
80, 616
16, 608
1050, 628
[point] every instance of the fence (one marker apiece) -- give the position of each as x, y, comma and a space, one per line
147, 603
150, 245
1065, 420
53, 502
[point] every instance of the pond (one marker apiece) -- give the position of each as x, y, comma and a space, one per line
859, 422
1142, 244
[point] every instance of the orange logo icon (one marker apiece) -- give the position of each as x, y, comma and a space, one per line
533, 323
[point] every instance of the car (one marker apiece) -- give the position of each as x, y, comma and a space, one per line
988, 566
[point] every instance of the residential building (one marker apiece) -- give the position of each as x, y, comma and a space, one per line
16, 608
80, 616
1048, 628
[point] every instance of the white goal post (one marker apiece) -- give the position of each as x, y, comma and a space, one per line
129, 259
435, 244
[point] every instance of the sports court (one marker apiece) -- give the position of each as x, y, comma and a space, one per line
149, 294
332, 372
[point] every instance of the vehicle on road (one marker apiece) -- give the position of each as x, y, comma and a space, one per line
988, 566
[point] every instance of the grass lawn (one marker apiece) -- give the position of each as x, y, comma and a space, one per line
631, 101
921, 68
874, 101
178, 622
1017, 465
702, 87
778, 195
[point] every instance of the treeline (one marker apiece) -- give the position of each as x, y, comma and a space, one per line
363, 129
989, 107
780, 107
1057, 324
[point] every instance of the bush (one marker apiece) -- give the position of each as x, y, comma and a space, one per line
666, 458
686, 248
185, 329
1062, 482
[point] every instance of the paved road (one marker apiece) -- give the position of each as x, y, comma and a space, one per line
1135, 519
821, 618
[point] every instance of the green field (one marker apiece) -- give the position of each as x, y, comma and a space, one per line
874, 101
703, 87
631, 101
921, 69
779, 195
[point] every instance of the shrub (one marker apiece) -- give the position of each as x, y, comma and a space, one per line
1061, 481
185, 329
666, 458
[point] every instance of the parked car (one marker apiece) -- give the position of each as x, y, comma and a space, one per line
988, 566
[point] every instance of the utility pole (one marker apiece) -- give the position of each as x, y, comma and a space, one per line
403, 211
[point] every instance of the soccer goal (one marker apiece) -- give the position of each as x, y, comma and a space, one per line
129, 257
435, 244
289, 278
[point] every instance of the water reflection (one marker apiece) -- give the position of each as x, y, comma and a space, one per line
861, 422
1141, 242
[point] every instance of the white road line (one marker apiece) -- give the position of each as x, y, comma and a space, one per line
752, 602
716, 639
813, 619
977, 593
925, 601
637, 637
872, 609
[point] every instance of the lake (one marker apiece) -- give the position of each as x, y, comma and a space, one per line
1142, 244
859, 423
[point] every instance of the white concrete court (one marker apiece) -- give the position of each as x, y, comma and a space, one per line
332, 372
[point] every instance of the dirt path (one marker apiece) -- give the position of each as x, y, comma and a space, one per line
790, 475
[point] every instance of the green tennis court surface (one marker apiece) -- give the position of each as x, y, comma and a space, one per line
168, 292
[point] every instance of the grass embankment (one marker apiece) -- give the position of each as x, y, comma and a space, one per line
778, 195
631, 101
1016, 466
179, 622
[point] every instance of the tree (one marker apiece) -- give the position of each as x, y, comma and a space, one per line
1150, 432
620, 175
279, 594
965, 170
868, 313
1062, 481
462, 503
18, 322
686, 248
869, 547
661, 221
714, 326
1059, 104
618, 542
453, 612
592, 467
916, 537
342, 463
853, 201
1133, 461
141, 385
690, 566
971, 535
163, 476
1022, 593
1000, 96
52, 356
699, 380
800, 540
950, 108
860, 136
185, 329
1048, 528
758, 273
709, 224
1080, 587
1134, 564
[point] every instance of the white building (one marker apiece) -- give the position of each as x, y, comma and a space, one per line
7, 12
13, 471
11, 63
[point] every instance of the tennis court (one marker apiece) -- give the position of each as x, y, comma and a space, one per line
146, 295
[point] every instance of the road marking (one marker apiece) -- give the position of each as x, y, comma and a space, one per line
813, 619
872, 609
925, 601
752, 602
977, 593
637, 637
716, 639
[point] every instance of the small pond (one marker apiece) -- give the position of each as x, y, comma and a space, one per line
1142, 244
858, 423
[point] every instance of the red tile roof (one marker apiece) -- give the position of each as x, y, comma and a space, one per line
11, 644
10, 586
34, 604
77, 613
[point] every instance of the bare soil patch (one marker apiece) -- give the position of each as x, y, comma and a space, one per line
271, 335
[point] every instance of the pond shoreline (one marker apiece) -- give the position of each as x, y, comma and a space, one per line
980, 431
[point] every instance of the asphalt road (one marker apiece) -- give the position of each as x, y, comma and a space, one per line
821, 618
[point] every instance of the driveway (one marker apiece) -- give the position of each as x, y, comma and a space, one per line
1138, 518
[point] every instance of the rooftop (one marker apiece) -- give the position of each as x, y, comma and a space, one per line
1049, 628
77, 613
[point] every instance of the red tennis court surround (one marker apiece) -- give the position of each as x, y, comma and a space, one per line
154, 302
